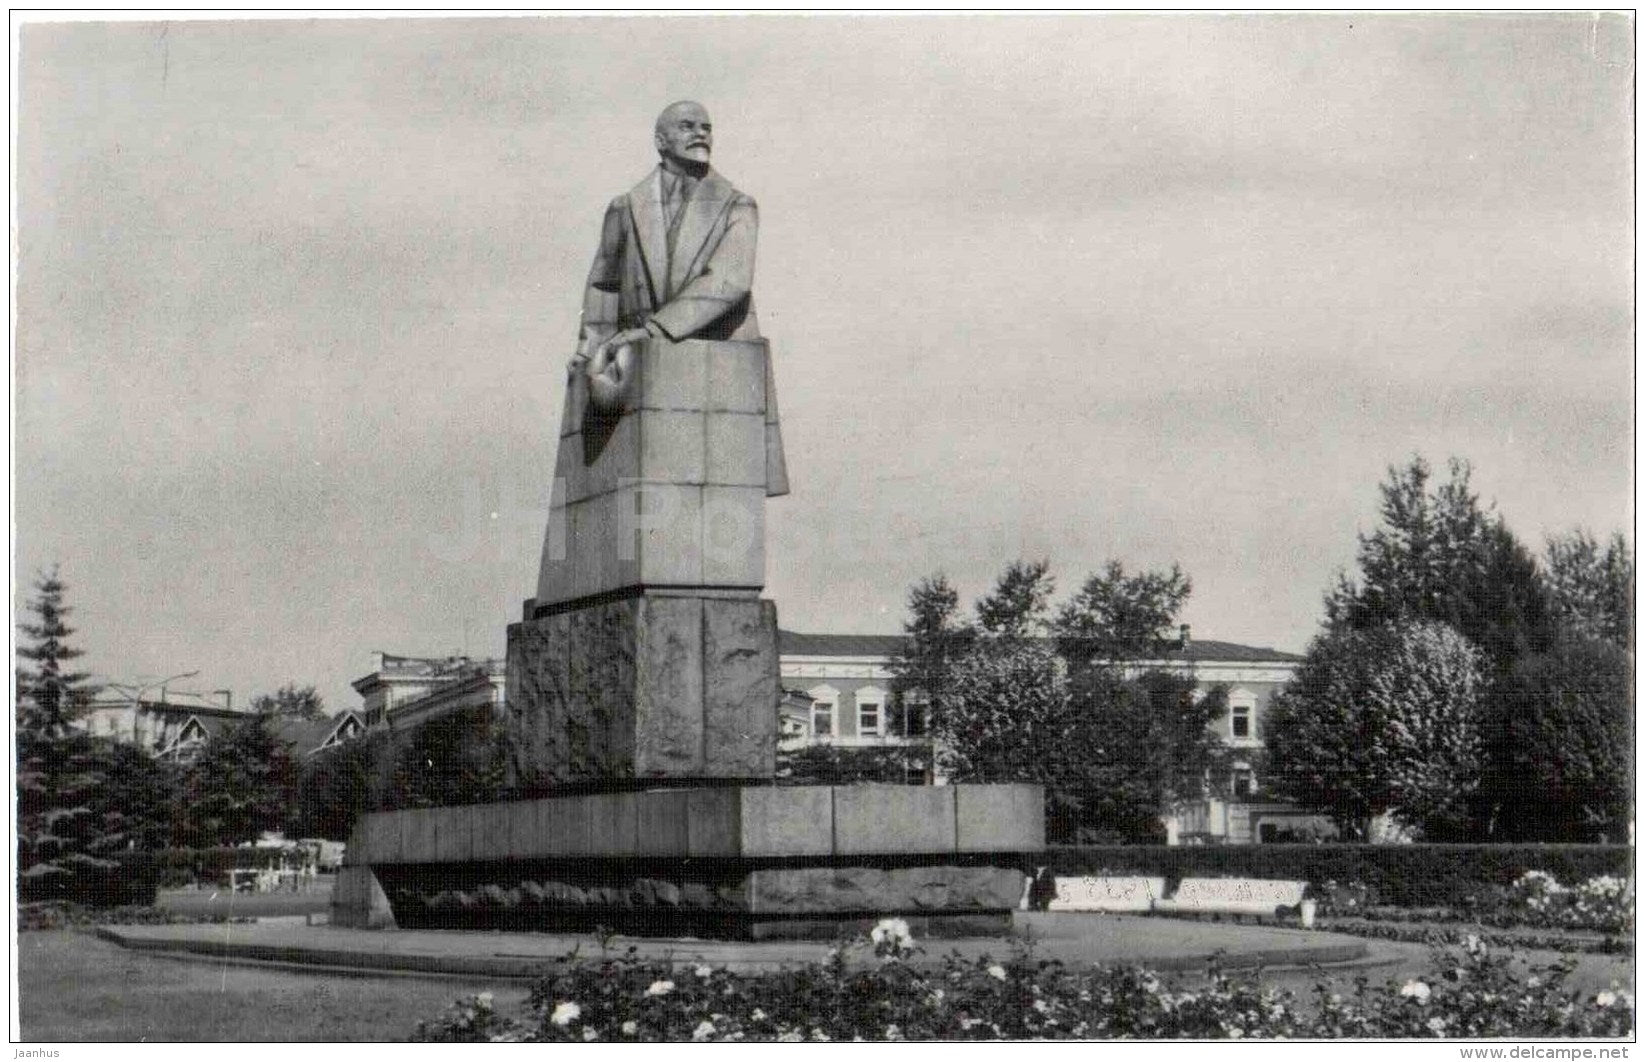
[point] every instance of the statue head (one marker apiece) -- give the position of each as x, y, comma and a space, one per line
684, 133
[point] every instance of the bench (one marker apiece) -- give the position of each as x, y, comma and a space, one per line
1234, 896
1107, 894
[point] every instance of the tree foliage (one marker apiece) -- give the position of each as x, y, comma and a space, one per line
1115, 751
339, 784
1119, 617
937, 636
458, 758
1564, 745
1152, 749
1018, 605
82, 802
846, 765
1439, 556
302, 702
1593, 587
1382, 720
50, 695
242, 784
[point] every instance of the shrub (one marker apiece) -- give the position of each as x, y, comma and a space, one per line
1469, 993
845, 765
1603, 904
34, 917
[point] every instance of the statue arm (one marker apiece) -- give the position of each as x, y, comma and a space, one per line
726, 281
605, 279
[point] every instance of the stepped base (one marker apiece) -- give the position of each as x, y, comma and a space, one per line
752, 863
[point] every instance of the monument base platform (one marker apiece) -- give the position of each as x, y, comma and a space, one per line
754, 862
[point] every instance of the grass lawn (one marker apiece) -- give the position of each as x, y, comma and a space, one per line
74, 987
203, 902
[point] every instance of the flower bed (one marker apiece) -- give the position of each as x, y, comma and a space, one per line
1536, 900
1450, 933
1470, 993
1408, 875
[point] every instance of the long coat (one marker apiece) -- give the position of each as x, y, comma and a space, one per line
704, 292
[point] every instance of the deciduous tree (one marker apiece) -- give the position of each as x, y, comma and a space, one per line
303, 702
1593, 586
241, 785
1116, 617
1382, 720
1562, 753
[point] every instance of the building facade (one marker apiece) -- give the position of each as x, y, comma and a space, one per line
175, 725
404, 691
837, 690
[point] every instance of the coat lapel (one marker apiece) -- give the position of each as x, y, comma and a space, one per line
707, 203
645, 202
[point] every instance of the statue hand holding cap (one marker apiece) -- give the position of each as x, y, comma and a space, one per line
610, 367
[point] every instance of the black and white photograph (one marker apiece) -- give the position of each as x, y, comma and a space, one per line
688, 527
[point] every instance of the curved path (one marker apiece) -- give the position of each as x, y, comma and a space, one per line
1160, 943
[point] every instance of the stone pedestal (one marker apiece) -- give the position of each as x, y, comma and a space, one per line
647, 652
667, 488
743, 861
649, 687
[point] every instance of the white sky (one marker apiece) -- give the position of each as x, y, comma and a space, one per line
294, 299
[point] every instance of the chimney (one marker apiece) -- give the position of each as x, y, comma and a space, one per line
228, 698
1182, 636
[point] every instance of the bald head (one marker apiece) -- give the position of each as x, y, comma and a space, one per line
684, 134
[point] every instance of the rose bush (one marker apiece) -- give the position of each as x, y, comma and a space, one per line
1470, 993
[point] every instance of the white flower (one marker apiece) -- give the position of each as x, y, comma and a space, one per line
565, 1014
997, 972
758, 1015
483, 1000
630, 1027
1235, 1032
893, 1031
1416, 990
703, 971
1040, 1005
1605, 999
660, 988
703, 1031
1473, 943
589, 1033
888, 928
1436, 1025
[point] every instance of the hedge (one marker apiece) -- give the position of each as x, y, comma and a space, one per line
1405, 875
125, 879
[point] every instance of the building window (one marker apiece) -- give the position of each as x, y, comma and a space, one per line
870, 710
824, 700
1245, 782
913, 717
1242, 711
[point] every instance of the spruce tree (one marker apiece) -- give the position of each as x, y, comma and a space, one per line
49, 695
67, 833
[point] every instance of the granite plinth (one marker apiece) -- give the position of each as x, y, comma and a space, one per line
647, 687
741, 861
